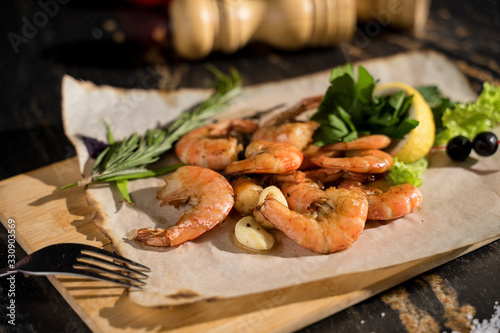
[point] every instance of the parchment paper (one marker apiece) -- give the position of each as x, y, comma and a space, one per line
461, 204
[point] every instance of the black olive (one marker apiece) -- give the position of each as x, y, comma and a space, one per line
459, 148
485, 143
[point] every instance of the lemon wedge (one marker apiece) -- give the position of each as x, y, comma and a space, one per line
420, 140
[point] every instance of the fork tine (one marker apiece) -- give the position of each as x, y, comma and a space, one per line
97, 276
83, 266
110, 263
90, 249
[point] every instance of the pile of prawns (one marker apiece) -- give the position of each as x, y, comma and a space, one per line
326, 188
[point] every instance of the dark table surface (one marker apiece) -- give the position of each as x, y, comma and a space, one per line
83, 40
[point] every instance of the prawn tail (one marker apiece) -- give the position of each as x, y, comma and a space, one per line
239, 167
175, 200
338, 163
153, 237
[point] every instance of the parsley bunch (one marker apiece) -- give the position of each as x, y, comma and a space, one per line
350, 108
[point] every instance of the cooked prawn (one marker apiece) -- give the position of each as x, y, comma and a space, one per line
323, 221
375, 141
396, 202
297, 133
361, 177
312, 151
305, 104
325, 175
364, 161
285, 128
210, 195
300, 192
214, 146
337, 149
267, 157
279, 179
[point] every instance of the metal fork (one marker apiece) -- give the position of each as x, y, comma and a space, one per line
81, 260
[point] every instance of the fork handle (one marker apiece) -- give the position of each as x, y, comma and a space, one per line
6, 271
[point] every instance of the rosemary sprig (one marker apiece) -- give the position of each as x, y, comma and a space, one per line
128, 159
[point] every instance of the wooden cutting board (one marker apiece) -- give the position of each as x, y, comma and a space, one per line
44, 216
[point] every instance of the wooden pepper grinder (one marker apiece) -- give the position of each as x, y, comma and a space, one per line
398, 14
203, 26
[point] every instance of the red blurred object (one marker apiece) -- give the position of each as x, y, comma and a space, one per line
146, 26
150, 3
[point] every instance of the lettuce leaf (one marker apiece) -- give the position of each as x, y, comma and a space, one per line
469, 119
401, 173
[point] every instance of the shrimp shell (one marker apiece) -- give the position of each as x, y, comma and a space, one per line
397, 201
375, 141
267, 157
297, 133
325, 175
362, 161
210, 194
332, 221
213, 146
312, 151
284, 127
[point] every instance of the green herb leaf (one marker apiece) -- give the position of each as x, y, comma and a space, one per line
400, 130
340, 71
142, 173
111, 138
437, 102
401, 173
349, 107
122, 186
365, 85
